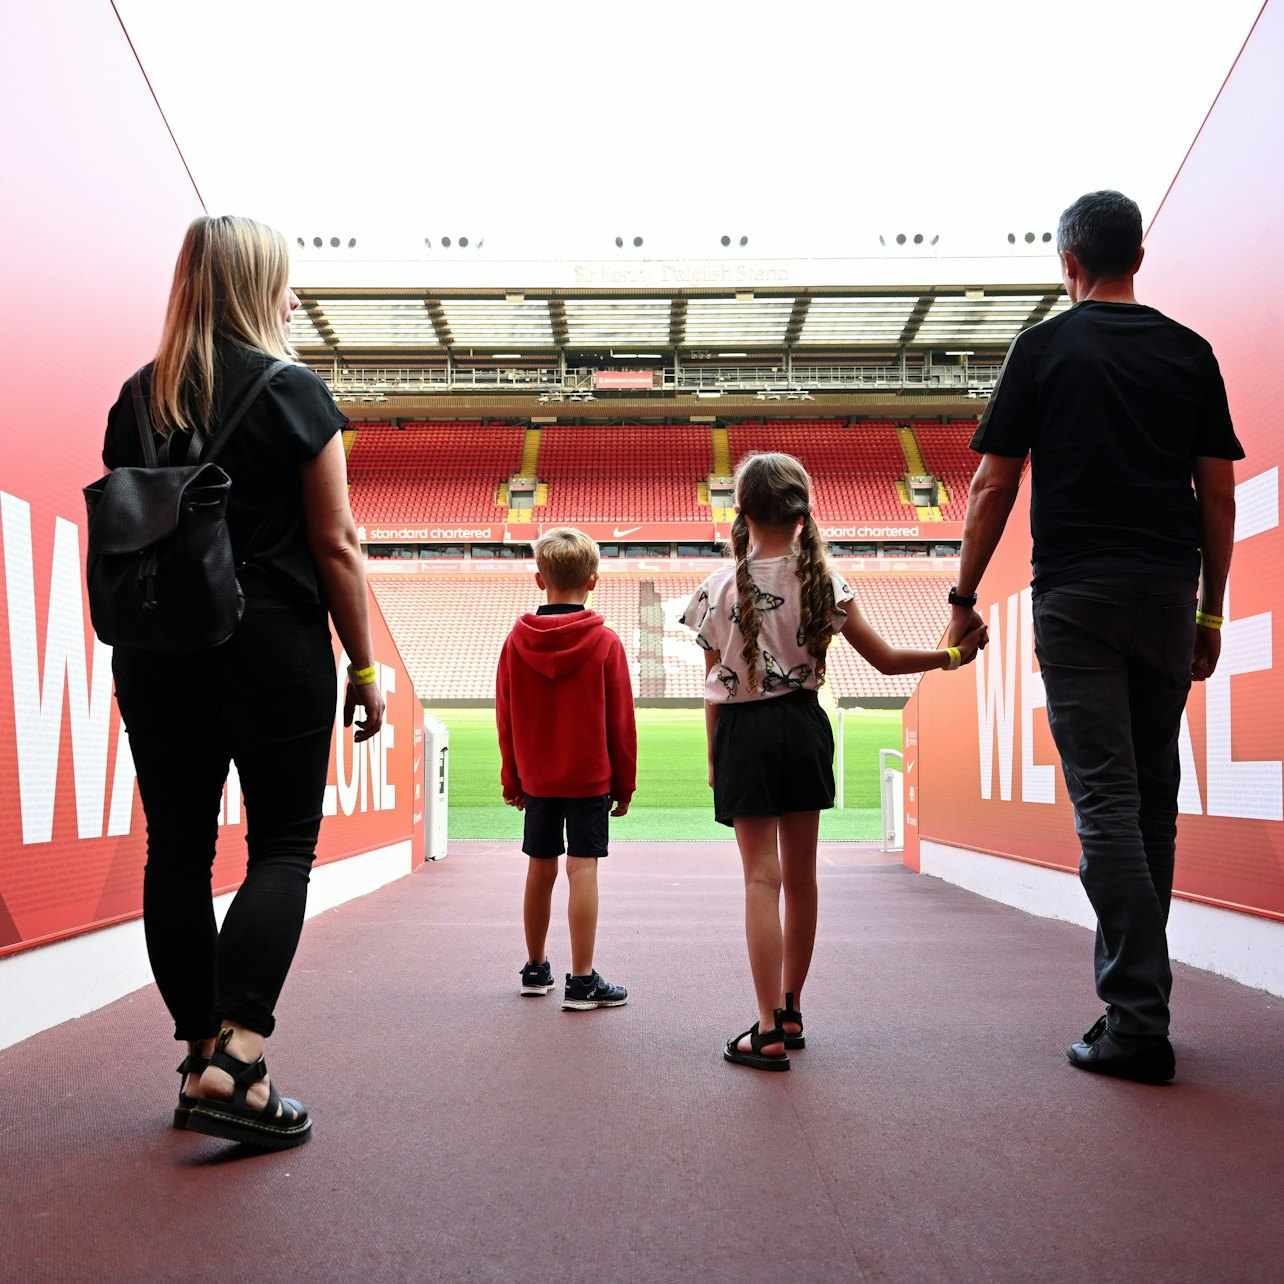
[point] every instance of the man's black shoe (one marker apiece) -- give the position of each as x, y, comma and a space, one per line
1149, 1062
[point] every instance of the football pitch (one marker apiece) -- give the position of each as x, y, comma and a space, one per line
673, 800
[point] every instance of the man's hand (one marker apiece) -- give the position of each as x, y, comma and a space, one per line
621, 808
1208, 649
963, 619
515, 800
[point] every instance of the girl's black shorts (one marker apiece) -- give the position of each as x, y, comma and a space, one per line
772, 755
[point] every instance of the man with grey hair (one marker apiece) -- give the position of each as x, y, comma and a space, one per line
1123, 414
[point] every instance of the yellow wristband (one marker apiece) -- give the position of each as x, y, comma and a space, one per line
1208, 621
956, 657
362, 677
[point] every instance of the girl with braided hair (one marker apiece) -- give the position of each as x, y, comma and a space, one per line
765, 625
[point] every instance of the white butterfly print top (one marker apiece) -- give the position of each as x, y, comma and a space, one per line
784, 663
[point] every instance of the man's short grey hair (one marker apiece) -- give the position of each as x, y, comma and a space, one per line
1103, 231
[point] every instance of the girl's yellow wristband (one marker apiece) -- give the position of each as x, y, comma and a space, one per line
956, 657
1209, 621
362, 677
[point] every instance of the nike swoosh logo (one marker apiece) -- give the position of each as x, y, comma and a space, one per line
620, 534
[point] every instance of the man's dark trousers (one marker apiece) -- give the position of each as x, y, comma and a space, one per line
1115, 655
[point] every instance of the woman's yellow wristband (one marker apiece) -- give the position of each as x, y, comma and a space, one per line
1208, 621
956, 657
362, 677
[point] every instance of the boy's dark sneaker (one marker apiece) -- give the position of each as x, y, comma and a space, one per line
537, 978
584, 992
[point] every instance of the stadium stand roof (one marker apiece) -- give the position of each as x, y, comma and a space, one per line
652, 338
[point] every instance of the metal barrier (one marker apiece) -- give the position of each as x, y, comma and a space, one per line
892, 788
436, 786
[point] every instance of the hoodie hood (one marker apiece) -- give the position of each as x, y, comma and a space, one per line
557, 645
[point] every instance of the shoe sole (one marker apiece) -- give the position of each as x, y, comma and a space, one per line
537, 989
587, 1005
248, 1133
755, 1060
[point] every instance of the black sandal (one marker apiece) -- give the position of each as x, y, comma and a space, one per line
794, 1017
235, 1120
756, 1058
195, 1064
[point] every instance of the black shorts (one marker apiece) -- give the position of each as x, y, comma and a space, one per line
771, 756
585, 820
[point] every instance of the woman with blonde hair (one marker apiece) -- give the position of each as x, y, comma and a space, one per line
765, 625
266, 698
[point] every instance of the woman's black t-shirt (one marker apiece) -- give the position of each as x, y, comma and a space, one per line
287, 426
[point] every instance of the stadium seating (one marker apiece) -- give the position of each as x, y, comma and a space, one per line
449, 629
440, 472
854, 467
948, 458
625, 474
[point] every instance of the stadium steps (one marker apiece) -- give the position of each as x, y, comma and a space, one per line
541, 494
721, 452
914, 461
530, 452
501, 495
349, 436
702, 492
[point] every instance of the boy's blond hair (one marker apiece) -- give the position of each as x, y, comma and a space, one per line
566, 558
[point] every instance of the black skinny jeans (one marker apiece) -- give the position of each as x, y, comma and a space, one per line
265, 700
1115, 654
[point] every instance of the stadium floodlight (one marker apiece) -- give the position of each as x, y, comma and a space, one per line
505, 356
708, 392
733, 354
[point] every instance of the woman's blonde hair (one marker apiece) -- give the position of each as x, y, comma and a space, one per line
774, 490
230, 280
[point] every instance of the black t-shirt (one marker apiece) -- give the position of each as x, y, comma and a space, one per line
1113, 402
288, 425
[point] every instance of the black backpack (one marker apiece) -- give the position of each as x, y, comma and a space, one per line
159, 568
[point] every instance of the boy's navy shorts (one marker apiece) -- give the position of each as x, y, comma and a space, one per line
772, 755
584, 819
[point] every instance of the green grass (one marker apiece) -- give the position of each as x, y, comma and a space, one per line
673, 800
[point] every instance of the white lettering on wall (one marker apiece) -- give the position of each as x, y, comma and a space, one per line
1251, 790
37, 695
361, 770
1038, 780
996, 700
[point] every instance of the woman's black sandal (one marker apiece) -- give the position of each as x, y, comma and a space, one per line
195, 1064
756, 1057
235, 1120
790, 1014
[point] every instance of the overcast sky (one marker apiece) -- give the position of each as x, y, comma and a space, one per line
569, 123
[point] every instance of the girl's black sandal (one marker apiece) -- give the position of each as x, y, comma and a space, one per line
282, 1123
791, 1014
756, 1058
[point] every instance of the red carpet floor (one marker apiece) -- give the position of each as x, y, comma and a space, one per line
931, 1130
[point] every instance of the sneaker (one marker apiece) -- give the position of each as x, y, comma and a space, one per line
584, 992
537, 978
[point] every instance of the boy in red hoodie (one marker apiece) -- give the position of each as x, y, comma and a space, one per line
568, 750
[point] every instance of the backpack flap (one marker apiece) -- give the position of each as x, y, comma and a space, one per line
132, 508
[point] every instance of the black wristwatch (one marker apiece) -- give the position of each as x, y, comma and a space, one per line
959, 599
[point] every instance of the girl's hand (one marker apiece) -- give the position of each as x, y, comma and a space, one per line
974, 640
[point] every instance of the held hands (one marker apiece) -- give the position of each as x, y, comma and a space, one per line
975, 639
370, 698
963, 619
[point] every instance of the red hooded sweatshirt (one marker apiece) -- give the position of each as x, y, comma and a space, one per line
564, 706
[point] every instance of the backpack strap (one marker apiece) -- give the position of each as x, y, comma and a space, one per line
144, 423
227, 428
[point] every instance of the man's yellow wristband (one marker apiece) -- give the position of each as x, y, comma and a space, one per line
362, 677
1208, 621
956, 657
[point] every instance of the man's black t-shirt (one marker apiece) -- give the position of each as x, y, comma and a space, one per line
288, 425
1113, 402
